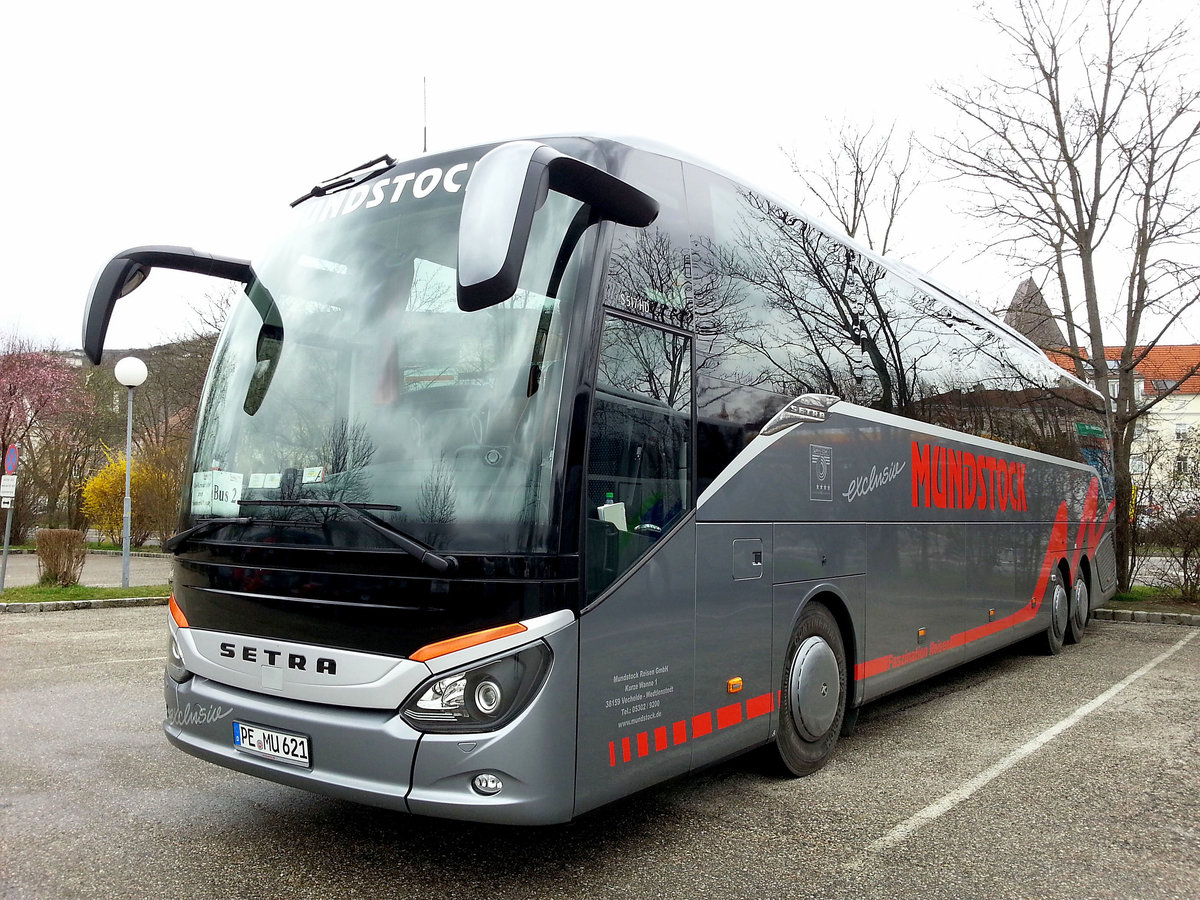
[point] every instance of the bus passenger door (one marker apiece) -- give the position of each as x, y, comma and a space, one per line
637, 630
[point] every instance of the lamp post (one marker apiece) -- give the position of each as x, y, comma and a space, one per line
131, 372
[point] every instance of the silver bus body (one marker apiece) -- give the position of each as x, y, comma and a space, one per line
720, 531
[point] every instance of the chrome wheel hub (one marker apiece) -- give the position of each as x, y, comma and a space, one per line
815, 688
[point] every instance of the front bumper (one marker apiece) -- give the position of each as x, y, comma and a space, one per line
375, 757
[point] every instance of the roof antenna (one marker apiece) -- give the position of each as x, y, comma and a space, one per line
425, 114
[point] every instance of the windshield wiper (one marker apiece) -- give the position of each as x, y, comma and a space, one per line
425, 554
346, 179
175, 540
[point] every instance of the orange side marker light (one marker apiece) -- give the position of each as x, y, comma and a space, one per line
462, 642
177, 613
733, 685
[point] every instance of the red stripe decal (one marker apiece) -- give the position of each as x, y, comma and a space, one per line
729, 715
1091, 530
1054, 551
660, 738
759, 706
1083, 537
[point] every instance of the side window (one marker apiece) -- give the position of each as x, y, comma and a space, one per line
648, 271
946, 366
638, 475
772, 322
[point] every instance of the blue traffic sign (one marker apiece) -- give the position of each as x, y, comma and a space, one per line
10, 460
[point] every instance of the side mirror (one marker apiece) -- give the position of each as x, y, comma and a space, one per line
507, 186
126, 271
266, 352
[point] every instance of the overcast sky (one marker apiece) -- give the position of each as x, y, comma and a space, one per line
133, 123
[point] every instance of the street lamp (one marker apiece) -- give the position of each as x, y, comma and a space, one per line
131, 372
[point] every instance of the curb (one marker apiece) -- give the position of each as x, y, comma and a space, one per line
142, 554
1140, 615
60, 605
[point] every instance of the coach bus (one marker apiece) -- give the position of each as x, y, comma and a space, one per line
529, 475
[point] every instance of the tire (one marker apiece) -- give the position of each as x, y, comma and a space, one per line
813, 693
1080, 610
1056, 631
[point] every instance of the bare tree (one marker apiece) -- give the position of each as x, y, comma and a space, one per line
864, 181
1084, 153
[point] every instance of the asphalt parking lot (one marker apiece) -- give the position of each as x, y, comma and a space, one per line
1015, 776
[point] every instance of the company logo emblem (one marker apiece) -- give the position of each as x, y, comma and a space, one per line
864, 484
820, 472
946, 478
198, 714
323, 665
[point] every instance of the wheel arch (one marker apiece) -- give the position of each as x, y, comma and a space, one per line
839, 605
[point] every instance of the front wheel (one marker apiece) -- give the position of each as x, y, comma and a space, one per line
813, 695
1080, 610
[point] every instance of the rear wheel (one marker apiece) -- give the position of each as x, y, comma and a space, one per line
813, 694
1080, 610
1056, 631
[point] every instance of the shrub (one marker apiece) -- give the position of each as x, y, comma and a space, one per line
104, 499
153, 495
60, 553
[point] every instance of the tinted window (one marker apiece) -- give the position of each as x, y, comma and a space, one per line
648, 271
784, 308
956, 369
638, 478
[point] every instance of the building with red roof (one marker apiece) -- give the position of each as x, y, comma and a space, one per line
1167, 371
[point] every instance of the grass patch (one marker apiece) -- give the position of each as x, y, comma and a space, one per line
1152, 599
36, 593
1137, 593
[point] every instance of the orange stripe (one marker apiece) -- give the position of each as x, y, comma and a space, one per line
680, 733
474, 639
177, 613
643, 740
701, 725
660, 738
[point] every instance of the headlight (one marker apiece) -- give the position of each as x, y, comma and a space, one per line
481, 697
175, 667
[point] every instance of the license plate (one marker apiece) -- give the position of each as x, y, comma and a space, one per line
280, 745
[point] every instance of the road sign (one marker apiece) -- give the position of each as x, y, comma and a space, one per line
8, 486
6, 503
10, 460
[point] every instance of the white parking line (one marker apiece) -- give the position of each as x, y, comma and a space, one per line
963, 792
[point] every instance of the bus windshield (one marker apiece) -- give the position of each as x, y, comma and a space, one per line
347, 376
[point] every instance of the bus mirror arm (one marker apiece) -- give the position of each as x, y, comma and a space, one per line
507, 186
126, 271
